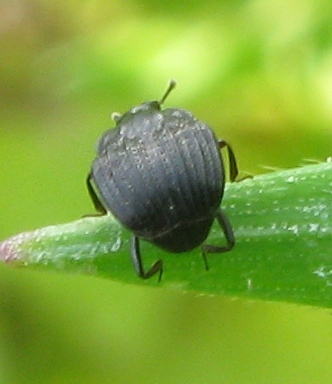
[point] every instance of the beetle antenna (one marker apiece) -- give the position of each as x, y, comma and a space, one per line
171, 86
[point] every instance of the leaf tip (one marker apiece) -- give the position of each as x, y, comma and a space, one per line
10, 249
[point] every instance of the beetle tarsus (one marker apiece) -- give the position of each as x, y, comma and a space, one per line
229, 235
138, 265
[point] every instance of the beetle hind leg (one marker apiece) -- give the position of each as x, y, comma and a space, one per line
229, 235
138, 264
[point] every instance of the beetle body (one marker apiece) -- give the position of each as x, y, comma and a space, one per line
161, 174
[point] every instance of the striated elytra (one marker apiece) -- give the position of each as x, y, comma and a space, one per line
161, 174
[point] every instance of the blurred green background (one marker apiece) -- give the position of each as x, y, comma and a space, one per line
259, 72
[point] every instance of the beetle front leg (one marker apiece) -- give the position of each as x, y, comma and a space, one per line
137, 261
95, 199
233, 169
229, 235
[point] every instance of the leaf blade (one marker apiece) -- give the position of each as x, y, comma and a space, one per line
282, 223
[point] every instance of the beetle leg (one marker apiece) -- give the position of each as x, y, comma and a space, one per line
233, 169
137, 261
229, 235
95, 199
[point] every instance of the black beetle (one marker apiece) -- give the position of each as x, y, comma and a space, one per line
161, 174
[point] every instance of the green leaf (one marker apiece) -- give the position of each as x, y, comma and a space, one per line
283, 227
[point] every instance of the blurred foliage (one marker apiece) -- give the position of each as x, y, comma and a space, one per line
259, 72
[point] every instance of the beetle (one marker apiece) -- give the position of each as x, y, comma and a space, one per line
161, 174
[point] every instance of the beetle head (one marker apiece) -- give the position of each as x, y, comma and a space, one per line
149, 106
